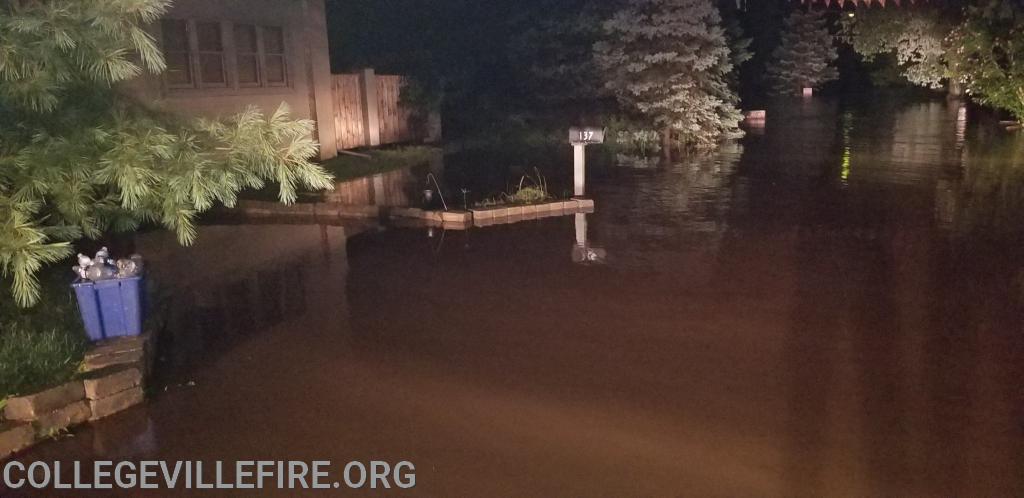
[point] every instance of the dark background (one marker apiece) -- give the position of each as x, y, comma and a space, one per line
476, 53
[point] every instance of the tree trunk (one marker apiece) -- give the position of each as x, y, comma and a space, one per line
954, 88
666, 144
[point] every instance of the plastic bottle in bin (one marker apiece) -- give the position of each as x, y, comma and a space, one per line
109, 295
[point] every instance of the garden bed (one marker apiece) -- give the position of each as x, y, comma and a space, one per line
40, 346
111, 379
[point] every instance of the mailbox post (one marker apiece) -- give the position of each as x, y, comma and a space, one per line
579, 138
579, 165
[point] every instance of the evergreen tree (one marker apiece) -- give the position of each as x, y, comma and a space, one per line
669, 61
78, 157
555, 53
739, 49
804, 57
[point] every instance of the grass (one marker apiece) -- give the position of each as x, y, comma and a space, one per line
42, 346
347, 167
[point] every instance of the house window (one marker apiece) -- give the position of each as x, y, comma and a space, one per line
197, 55
176, 53
247, 54
273, 49
210, 45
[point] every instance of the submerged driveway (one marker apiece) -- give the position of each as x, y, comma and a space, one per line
811, 314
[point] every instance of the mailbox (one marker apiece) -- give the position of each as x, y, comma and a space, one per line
586, 135
580, 137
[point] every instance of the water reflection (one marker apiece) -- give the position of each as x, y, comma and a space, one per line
238, 281
583, 252
987, 193
396, 188
655, 214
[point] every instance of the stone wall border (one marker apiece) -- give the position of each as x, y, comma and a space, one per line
455, 219
311, 211
494, 215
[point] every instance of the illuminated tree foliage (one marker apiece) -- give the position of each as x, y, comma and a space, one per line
916, 37
805, 57
991, 42
78, 158
669, 61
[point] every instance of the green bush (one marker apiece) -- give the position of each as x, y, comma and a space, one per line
41, 346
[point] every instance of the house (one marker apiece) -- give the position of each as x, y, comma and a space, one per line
224, 55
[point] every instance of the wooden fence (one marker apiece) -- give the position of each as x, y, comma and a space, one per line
348, 111
361, 96
394, 118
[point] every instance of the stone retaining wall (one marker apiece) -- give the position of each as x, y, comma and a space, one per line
319, 211
458, 219
112, 379
454, 219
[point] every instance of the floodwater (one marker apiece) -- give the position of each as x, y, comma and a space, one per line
831, 307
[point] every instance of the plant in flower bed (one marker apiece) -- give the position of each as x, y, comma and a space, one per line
530, 190
42, 346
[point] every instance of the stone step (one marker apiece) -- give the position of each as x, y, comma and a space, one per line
117, 346
112, 380
105, 361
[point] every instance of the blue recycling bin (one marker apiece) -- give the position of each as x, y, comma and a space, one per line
110, 308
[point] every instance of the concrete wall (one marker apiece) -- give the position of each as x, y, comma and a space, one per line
308, 93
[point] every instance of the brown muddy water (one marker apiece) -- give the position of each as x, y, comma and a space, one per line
831, 307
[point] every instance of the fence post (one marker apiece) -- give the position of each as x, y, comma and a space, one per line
371, 113
433, 131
